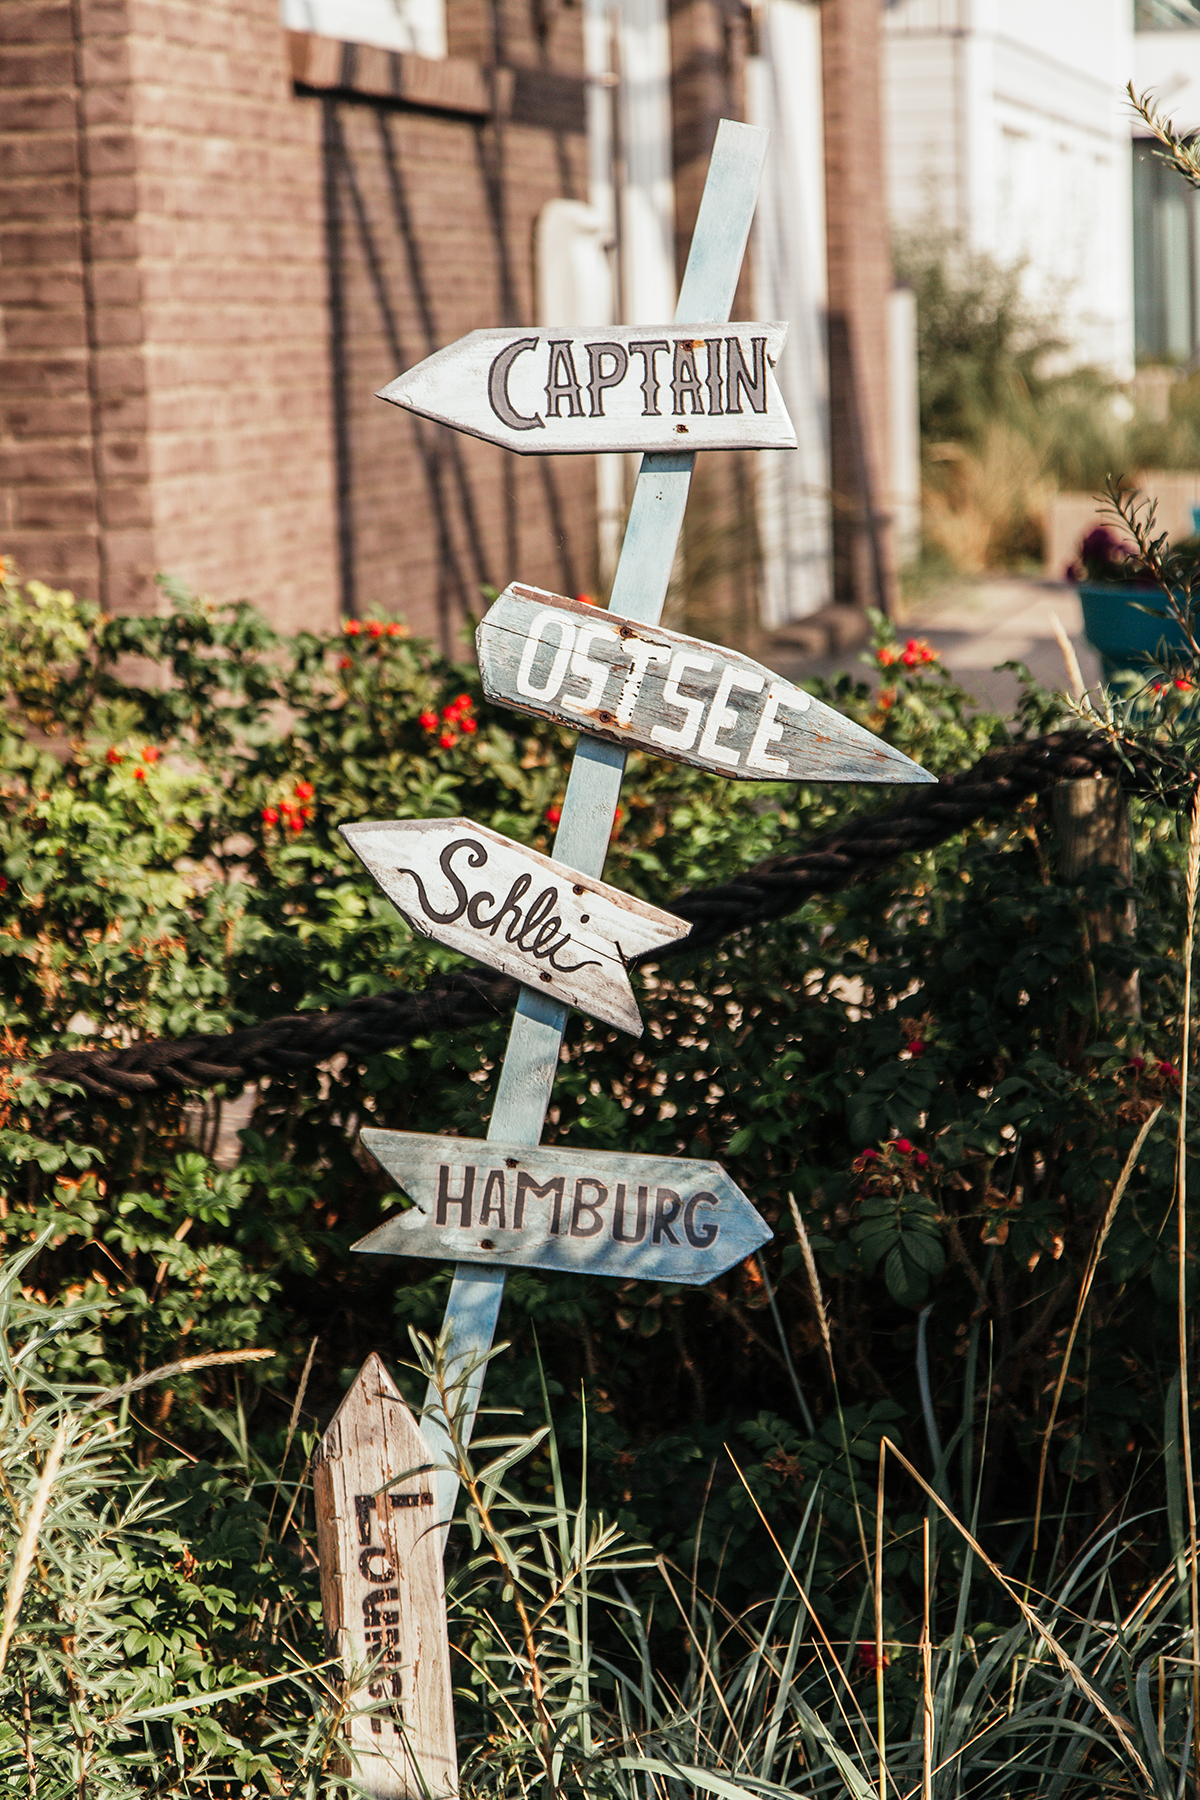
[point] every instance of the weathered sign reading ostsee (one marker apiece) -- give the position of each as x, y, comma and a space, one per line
560, 932
382, 1593
617, 387
589, 1212
650, 689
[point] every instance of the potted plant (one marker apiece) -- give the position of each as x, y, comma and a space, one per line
1130, 617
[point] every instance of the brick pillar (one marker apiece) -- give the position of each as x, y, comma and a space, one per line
164, 383
860, 277
49, 503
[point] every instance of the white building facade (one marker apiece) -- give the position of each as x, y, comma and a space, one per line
1007, 125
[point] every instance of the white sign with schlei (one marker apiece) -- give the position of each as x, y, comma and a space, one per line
618, 387
655, 690
558, 931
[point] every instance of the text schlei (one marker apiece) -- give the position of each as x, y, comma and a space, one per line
563, 933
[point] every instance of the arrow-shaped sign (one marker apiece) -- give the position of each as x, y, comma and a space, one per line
590, 1212
615, 387
560, 932
649, 689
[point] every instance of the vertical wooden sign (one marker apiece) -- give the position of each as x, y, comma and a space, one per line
382, 1593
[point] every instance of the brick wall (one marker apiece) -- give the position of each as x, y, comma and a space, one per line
431, 213
433, 230
206, 271
230, 286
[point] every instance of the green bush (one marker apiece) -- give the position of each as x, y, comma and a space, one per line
922, 1062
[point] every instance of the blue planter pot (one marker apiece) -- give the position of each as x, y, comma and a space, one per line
1124, 637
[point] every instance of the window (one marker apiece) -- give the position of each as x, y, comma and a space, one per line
415, 25
1166, 242
1166, 15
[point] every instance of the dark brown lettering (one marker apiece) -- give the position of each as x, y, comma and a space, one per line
666, 1210
580, 1206
648, 349
708, 1231
618, 1224
490, 1207
563, 382
685, 382
598, 381
738, 378
527, 1185
445, 1199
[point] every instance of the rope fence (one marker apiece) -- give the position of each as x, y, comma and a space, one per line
838, 859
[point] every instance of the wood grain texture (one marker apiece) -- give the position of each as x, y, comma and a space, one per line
645, 688
586, 1212
382, 1592
639, 590
559, 931
615, 387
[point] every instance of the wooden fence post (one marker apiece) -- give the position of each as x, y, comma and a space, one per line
1091, 824
382, 1593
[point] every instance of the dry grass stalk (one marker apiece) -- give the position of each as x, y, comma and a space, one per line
27, 1546
186, 1364
1066, 1663
814, 1280
926, 1675
1189, 945
1085, 1289
1070, 661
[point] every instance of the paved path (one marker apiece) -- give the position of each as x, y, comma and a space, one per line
977, 625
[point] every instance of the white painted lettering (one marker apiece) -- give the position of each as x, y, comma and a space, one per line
641, 654
583, 667
724, 718
780, 693
562, 656
683, 736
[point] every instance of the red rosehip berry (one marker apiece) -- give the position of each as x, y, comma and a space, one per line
447, 740
553, 815
150, 754
114, 755
352, 627
270, 816
305, 790
470, 726
429, 720
139, 774
375, 629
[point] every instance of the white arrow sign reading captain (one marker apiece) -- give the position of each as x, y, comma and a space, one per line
620, 387
649, 689
587, 1212
560, 932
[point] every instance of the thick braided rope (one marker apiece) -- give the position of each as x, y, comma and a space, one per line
464, 998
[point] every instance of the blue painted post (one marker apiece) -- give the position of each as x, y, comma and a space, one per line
589, 809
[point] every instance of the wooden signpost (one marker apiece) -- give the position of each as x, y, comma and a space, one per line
650, 689
593, 1212
516, 910
704, 386
486, 1204
382, 1591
